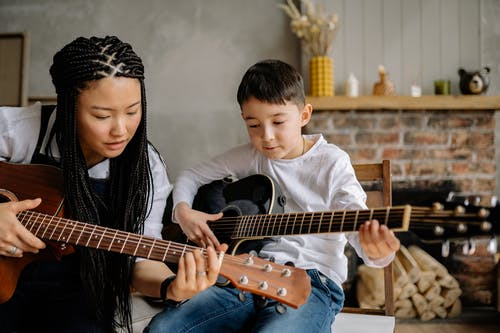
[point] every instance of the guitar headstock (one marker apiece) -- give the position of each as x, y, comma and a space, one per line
285, 284
451, 220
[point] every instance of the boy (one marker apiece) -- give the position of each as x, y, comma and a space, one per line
313, 176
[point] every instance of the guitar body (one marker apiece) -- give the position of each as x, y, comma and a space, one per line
255, 194
30, 182
287, 285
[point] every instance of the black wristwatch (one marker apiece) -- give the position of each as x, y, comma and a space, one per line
163, 293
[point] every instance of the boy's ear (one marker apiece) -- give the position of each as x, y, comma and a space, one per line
306, 113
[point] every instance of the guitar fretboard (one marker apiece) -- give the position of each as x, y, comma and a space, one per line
68, 231
267, 225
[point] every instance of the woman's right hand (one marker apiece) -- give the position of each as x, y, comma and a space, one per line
194, 225
15, 239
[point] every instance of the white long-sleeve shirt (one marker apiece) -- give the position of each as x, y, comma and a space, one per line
322, 179
19, 130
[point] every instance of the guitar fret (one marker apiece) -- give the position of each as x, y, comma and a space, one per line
112, 241
330, 224
342, 222
302, 222
72, 230
100, 240
124, 243
371, 215
355, 221
136, 248
319, 222
310, 222
90, 237
166, 252
294, 222
151, 248
40, 225
386, 215
61, 233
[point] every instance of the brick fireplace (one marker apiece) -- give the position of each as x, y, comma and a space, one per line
431, 148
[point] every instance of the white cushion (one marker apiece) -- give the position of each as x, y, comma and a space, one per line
353, 323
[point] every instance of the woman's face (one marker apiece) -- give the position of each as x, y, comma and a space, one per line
108, 114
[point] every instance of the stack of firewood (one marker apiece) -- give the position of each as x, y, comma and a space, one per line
423, 287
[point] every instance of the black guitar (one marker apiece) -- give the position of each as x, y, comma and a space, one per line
253, 210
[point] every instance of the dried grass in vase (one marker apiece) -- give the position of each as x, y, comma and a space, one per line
314, 27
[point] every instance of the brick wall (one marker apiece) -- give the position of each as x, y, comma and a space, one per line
428, 149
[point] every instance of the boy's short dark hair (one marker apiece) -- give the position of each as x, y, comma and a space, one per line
272, 81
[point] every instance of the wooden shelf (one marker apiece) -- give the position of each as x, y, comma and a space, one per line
460, 102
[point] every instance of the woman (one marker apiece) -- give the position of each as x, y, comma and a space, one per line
112, 177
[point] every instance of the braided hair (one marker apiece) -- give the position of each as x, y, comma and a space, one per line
105, 276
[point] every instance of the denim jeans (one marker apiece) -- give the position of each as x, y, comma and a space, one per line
223, 309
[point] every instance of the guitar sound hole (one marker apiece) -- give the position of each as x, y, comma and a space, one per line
6, 196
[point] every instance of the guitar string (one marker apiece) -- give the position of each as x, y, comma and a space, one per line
180, 247
264, 222
109, 236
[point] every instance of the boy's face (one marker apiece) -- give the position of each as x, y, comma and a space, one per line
275, 129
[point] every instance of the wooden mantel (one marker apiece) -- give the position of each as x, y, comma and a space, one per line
432, 102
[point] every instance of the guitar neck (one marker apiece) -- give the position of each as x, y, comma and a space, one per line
267, 225
88, 235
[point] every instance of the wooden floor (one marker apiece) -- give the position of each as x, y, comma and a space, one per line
472, 321
446, 328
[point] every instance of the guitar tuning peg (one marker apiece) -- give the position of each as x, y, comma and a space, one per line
445, 249
477, 200
459, 210
485, 226
493, 246
437, 206
465, 247
461, 228
472, 246
451, 196
493, 201
483, 213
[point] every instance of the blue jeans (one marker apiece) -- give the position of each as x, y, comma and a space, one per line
222, 309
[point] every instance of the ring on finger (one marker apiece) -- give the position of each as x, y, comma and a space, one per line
13, 250
201, 273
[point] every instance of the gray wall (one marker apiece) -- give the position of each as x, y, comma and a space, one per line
196, 51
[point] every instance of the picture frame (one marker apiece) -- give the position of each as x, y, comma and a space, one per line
14, 63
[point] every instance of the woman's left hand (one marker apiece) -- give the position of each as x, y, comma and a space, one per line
377, 240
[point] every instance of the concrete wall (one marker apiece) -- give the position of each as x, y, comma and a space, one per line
195, 53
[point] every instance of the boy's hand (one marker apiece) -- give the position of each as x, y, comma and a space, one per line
194, 225
377, 240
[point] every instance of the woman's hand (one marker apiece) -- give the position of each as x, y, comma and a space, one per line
194, 225
195, 273
377, 240
15, 239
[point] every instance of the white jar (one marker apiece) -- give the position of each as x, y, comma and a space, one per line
351, 86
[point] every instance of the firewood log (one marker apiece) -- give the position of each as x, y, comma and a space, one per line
450, 296
427, 315
410, 265
400, 276
420, 303
455, 309
403, 303
440, 311
427, 278
432, 292
407, 291
426, 262
436, 301
405, 312
373, 280
448, 281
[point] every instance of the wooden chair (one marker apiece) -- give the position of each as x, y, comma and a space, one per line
376, 181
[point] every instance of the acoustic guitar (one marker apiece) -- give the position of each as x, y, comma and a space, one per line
253, 210
288, 285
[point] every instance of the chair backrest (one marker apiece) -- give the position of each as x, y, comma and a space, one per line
376, 180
